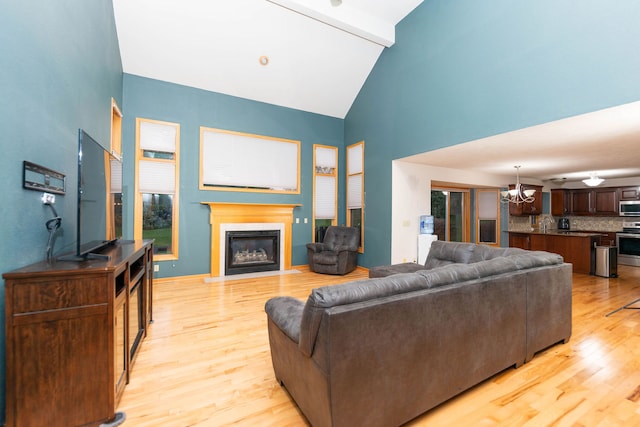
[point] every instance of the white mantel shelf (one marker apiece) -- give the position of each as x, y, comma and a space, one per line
236, 213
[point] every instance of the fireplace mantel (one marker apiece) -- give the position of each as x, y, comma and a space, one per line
234, 213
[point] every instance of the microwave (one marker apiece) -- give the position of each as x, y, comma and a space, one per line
629, 208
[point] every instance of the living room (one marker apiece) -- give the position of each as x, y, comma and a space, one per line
459, 72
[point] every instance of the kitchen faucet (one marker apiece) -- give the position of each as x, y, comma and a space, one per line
546, 224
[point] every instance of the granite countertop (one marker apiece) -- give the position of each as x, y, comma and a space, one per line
559, 233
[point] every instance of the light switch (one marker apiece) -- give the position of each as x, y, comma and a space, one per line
297, 220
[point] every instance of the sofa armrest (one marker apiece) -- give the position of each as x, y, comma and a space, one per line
286, 313
316, 247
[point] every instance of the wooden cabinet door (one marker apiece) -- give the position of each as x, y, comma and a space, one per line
630, 193
58, 352
521, 241
560, 202
581, 202
602, 201
605, 202
538, 242
608, 239
121, 359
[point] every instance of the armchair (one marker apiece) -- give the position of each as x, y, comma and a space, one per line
337, 254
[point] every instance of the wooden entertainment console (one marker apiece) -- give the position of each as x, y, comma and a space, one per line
73, 331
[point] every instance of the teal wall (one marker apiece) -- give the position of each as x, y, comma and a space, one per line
193, 108
462, 70
59, 68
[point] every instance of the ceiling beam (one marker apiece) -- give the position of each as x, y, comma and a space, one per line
345, 18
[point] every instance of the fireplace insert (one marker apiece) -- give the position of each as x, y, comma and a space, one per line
252, 251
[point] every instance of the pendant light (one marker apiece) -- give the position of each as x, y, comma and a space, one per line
517, 195
593, 180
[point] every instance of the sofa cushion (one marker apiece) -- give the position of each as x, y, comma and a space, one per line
388, 270
458, 273
443, 253
484, 252
531, 259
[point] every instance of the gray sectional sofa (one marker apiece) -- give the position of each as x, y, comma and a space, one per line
382, 351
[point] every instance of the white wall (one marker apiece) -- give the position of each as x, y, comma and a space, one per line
411, 197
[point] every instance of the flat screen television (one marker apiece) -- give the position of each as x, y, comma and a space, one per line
99, 198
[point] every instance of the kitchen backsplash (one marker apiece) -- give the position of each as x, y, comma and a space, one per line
586, 223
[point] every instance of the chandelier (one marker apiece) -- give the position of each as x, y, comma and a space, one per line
593, 180
517, 195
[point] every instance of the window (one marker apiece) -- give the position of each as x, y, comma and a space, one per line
451, 213
235, 161
116, 128
325, 189
157, 183
114, 216
487, 216
355, 189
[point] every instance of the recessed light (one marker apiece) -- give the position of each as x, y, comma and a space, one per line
264, 60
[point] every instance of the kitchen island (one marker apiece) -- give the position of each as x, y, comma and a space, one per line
576, 248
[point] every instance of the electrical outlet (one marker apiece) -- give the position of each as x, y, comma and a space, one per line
48, 198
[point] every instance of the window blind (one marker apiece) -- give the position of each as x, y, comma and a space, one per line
325, 200
116, 176
156, 177
157, 137
326, 157
249, 161
488, 204
354, 159
354, 192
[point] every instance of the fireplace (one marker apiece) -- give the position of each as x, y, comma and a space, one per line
250, 251
225, 217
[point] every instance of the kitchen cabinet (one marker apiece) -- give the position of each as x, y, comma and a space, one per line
69, 352
602, 201
560, 202
607, 238
520, 240
605, 201
595, 202
581, 202
526, 209
629, 193
528, 241
576, 248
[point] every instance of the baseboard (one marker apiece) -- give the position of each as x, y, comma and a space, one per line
301, 268
159, 280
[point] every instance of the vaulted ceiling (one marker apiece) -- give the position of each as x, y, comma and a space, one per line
318, 55
314, 56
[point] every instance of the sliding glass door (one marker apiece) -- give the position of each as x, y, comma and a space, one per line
450, 210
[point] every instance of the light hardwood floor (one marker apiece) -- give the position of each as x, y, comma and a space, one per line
206, 362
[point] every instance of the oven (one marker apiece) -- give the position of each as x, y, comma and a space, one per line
629, 243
